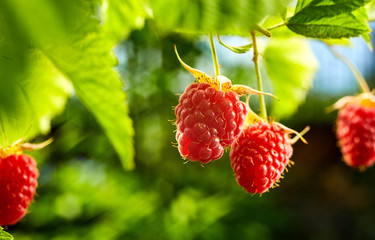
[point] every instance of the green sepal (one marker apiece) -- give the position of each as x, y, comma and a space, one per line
236, 49
4, 235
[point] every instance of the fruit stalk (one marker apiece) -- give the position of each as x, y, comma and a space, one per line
263, 110
214, 56
276, 26
361, 81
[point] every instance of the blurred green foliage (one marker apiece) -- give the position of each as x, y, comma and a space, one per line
66, 67
281, 58
226, 17
70, 45
4, 235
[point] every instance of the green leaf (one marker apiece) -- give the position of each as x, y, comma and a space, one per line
340, 5
362, 13
86, 58
371, 10
367, 38
99, 88
4, 235
35, 95
239, 49
79, 48
301, 4
32, 91
120, 17
291, 66
329, 19
203, 16
44, 26
343, 42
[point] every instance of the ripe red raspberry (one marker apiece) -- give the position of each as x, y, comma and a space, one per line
356, 131
209, 115
18, 181
208, 120
260, 155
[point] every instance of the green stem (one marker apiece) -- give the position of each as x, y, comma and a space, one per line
361, 81
263, 110
214, 56
276, 26
262, 30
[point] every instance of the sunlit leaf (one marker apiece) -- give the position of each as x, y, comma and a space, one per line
329, 19
86, 58
44, 27
361, 13
203, 16
343, 42
367, 38
291, 66
120, 17
77, 47
31, 98
272, 21
371, 10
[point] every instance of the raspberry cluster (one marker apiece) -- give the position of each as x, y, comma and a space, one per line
208, 120
260, 155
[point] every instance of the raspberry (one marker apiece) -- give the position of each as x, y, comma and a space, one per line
208, 120
260, 155
209, 115
356, 132
18, 181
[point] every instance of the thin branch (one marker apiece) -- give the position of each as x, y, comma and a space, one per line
263, 110
214, 56
361, 81
276, 26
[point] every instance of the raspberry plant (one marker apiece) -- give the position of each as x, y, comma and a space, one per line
196, 140
210, 118
43, 65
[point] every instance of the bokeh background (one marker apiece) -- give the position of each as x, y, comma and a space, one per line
84, 192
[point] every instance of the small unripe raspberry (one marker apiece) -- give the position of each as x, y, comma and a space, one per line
356, 132
208, 120
18, 181
260, 155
